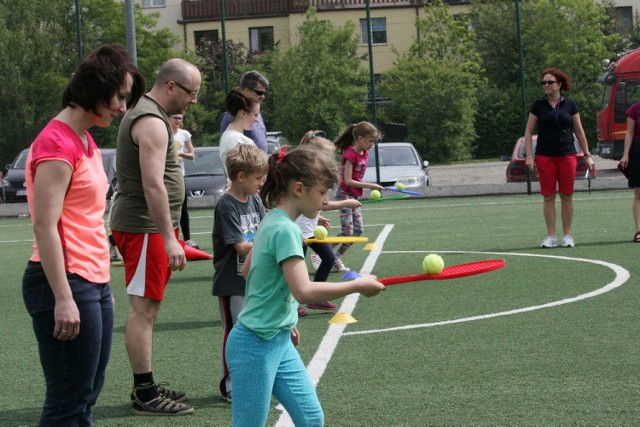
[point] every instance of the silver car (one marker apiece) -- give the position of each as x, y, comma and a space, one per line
399, 162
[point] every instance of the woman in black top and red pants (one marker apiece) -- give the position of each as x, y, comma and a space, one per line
557, 119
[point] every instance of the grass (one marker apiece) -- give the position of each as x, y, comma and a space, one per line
570, 364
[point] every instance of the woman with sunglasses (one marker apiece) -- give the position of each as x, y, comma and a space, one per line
558, 120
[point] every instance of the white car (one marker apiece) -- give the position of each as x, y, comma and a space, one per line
399, 162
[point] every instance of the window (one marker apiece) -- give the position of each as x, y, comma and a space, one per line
624, 19
378, 31
261, 39
153, 3
205, 41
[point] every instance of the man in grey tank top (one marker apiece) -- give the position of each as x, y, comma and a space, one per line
144, 222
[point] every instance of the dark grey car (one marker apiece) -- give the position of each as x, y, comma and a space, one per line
13, 181
204, 175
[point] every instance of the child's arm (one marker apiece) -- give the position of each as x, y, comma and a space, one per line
332, 205
243, 248
348, 179
307, 292
246, 265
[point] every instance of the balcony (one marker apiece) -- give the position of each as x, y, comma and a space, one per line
208, 10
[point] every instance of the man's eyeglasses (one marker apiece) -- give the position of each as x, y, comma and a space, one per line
186, 89
548, 82
259, 92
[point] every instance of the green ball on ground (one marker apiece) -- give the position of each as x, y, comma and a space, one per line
399, 186
432, 264
375, 194
320, 232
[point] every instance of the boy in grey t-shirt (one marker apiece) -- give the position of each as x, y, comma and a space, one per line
236, 221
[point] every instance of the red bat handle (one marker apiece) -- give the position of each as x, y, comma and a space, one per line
406, 279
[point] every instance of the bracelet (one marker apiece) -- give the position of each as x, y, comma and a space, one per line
529, 157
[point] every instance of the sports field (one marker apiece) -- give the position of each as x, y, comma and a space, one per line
550, 340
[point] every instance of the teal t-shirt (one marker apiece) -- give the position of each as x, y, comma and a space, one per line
269, 306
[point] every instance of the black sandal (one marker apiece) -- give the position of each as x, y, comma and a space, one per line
636, 237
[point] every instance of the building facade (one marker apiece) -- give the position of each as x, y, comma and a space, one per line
262, 24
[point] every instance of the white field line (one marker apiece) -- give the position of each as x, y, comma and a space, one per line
622, 275
321, 358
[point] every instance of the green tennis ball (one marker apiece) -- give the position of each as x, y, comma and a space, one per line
399, 186
320, 232
375, 194
432, 264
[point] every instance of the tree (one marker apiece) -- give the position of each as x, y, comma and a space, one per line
572, 35
318, 83
439, 111
38, 48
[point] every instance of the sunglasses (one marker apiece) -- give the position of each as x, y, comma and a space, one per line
548, 82
259, 92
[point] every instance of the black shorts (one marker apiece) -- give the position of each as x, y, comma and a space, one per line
634, 165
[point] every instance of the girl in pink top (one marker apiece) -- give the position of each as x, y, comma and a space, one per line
354, 144
66, 283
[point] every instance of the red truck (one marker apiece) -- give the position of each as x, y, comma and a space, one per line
621, 89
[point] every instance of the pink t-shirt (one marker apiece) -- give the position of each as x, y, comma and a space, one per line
359, 162
81, 224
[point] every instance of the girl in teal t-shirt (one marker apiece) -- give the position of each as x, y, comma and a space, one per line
260, 349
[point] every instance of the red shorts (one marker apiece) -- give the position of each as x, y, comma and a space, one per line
556, 169
146, 265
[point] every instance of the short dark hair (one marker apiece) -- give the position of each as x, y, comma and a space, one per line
99, 76
250, 80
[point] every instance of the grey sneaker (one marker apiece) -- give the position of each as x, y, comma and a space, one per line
567, 242
549, 242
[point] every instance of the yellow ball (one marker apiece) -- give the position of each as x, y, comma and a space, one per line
399, 186
432, 264
375, 194
320, 232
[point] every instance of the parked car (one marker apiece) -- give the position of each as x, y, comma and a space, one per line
275, 140
399, 162
517, 168
109, 163
204, 175
13, 181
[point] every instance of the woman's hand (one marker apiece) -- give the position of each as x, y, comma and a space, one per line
67, 320
531, 164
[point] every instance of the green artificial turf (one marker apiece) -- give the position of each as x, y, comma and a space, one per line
411, 359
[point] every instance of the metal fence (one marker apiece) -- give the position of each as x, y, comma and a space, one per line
444, 77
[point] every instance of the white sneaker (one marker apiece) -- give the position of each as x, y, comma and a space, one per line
315, 261
567, 242
339, 266
550, 242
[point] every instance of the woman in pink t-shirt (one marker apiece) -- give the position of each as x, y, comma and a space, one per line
354, 144
66, 283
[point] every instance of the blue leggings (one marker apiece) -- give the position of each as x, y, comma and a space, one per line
260, 368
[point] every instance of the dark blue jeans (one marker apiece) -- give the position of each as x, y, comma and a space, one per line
74, 370
327, 257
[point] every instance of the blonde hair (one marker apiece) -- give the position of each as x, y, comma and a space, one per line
246, 158
317, 138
